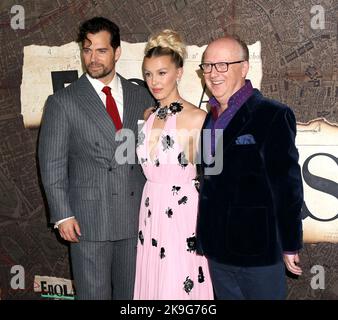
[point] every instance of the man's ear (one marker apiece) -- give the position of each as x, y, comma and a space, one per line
245, 68
117, 53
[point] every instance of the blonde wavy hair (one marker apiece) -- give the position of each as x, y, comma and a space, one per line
167, 42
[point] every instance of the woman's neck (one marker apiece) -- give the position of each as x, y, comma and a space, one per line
167, 101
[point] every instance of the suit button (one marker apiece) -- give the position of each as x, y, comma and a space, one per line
110, 169
97, 144
132, 193
132, 168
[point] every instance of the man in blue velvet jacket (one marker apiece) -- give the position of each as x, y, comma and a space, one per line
249, 225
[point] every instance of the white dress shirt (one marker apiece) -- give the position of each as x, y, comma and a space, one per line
117, 93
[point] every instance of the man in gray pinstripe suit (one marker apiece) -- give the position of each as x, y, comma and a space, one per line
93, 199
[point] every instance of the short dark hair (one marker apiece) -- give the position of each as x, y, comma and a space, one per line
96, 25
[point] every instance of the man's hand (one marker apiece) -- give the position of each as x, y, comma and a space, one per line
70, 230
291, 261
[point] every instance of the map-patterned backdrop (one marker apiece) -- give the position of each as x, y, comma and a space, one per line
299, 60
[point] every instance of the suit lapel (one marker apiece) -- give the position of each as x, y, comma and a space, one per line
91, 103
236, 126
129, 111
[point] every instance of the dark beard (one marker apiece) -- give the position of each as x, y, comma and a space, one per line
105, 72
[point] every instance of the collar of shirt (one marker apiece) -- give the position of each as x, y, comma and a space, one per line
116, 91
234, 103
221, 121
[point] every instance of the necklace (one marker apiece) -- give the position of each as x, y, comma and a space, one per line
163, 112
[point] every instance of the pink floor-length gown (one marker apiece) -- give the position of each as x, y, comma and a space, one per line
167, 264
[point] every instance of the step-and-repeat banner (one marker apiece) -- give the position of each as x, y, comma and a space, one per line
45, 69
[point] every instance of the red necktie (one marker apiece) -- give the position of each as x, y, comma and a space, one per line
112, 108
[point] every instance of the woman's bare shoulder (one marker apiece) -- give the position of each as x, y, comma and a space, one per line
195, 115
196, 112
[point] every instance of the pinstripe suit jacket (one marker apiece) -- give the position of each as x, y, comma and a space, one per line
78, 166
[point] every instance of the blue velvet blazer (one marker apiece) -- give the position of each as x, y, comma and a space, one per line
250, 212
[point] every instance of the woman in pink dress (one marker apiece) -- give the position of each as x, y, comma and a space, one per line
167, 264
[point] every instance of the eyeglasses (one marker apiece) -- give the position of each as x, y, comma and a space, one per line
220, 66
